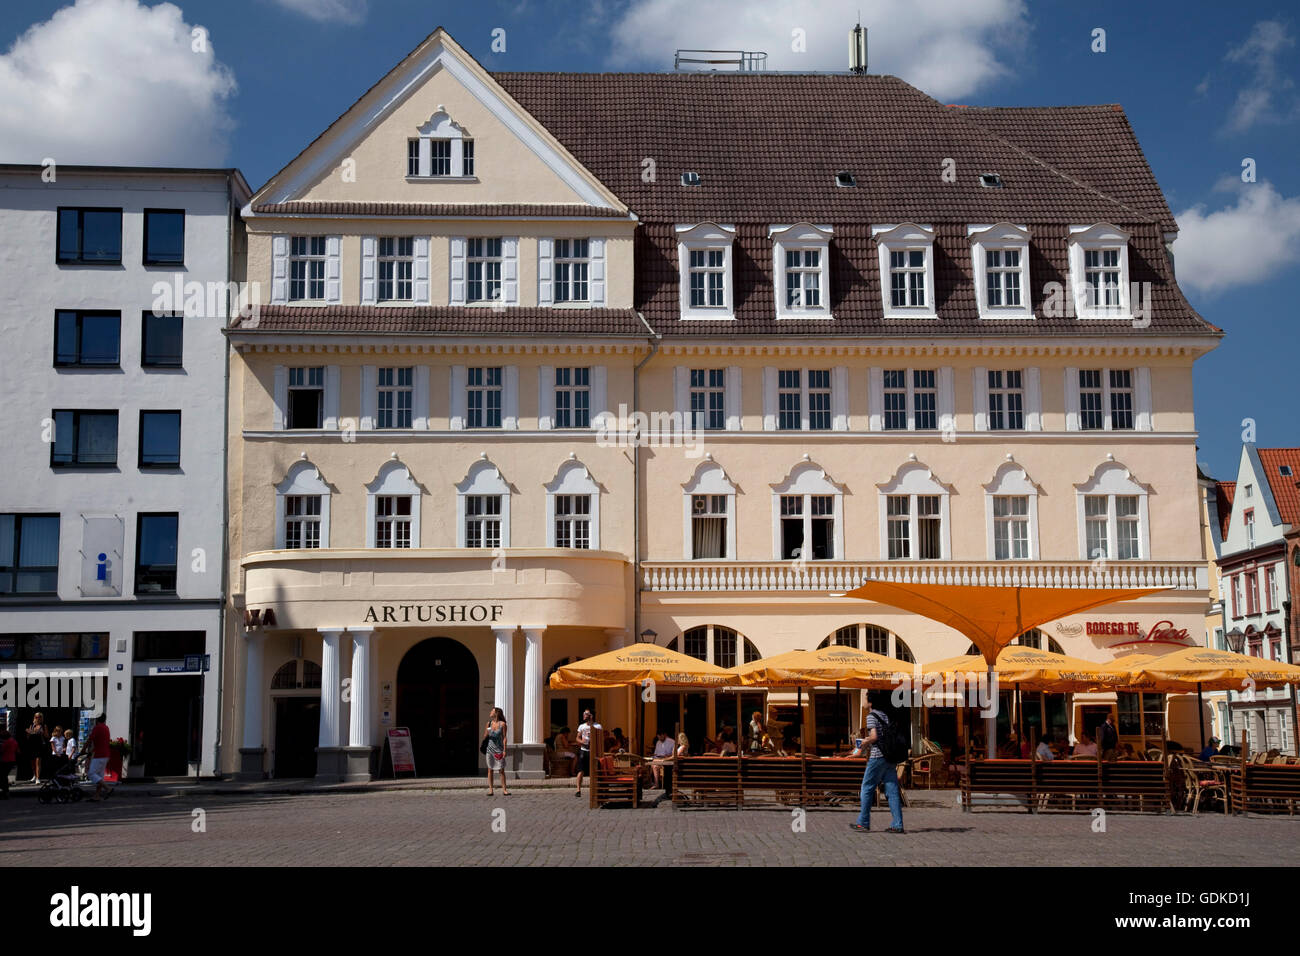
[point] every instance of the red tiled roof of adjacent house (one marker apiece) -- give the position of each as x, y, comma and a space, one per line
441, 320
1223, 494
426, 210
1285, 492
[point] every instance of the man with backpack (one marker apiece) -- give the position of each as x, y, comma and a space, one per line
882, 744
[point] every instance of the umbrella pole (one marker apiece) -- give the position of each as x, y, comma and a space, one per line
740, 738
1200, 713
991, 723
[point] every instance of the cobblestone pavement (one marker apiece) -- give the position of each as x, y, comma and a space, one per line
552, 828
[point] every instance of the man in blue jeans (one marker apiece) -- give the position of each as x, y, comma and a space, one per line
878, 769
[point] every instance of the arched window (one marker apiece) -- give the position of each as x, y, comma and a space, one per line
714, 644
807, 515
393, 508
1113, 517
302, 508
1011, 514
914, 515
288, 677
709, 514
442, 150
483, 507
562, 662
573, 508
1032, 638
873, 639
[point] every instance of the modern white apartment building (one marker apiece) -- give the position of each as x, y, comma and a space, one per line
114, 291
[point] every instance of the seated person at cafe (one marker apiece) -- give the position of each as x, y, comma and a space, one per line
612, 746
1010, 747
726, 746
1210, 750
663, 755
1086, 747
1044, 750
683, 746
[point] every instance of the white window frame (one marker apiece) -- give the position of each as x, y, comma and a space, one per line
902, 238
807, 480
839, 393
944, 413
548, 263
915, 479
1112, 479
1000, 237
547, 390
706, 235
485, 261
709, 479
483, 478
394, 391
1143, 419
1011, 480
1270, 587
396, 260
329, 400
1094, 238
800, 237
393, 479
440, 127
573, 478
302, 479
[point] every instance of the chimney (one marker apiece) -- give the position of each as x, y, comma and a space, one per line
858, 50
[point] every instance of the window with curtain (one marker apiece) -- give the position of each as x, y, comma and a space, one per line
709, 526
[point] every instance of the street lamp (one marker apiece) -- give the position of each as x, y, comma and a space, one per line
1236, 640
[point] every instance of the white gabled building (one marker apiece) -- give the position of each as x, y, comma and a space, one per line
114, 287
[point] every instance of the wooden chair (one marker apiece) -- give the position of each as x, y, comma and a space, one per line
1199, 784
924, 769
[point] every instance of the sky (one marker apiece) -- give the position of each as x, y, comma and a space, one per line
1210, 89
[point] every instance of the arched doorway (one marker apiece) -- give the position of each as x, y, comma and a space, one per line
437, 700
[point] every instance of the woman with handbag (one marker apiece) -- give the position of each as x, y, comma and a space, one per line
494, 748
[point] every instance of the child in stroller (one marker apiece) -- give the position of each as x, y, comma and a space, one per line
62, 787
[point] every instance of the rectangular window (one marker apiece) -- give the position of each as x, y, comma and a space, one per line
1002, 276
791, 527
708, 526
161, 341
1096, 522
803, 272
412, 157
164, 237
1270, 587
819, 399
396, 263
1006, 400
483, 270
1121, 399
483, 399
306, 397
160, 439
1091, 414
440, 157
392, 521
467, 165
573, 398
1101, 277
907, 278
1236, 595
482, 521
1127, 545
899, 526
396, 387
1252, 592
155, 553
84, 438
302, 521
708, 268
929, 528
573, 521
92, 236
789, 399
306, 268
1249, 519
821, 524
29, 554
707, 394
85, 339
1010, 527
895, 399
925, 397
572, 265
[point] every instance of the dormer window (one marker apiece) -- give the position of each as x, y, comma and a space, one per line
441, 151
907, 270
704, 263
690, 179
800, 265
1099, 272
1000, 260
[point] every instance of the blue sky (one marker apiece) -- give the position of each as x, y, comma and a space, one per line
1205, 85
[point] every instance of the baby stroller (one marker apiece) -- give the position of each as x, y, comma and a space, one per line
63, 787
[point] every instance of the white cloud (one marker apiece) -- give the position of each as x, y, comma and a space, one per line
949, 48
1250, 241
339, 11
1258, 100
113, 82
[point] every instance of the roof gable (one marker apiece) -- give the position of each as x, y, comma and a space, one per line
1282, 488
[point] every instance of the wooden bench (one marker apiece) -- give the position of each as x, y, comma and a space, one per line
837, 780
776, 780
1010, 776
1043, 784
1265, 788
707, 781
1134, 785
611, 784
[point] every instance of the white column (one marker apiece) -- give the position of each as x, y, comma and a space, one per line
503, 693
254, 648
533, 686
360, 728
330, 692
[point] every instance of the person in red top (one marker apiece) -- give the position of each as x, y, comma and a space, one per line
8, 757
98, 746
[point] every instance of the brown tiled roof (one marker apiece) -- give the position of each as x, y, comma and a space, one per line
1092, 144
1223, 495
767, 148
442, 320
444, 210
1285, 492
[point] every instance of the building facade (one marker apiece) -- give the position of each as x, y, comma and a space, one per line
112, 528
1264, 509
538, 379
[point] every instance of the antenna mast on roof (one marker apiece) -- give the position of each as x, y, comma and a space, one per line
858, 49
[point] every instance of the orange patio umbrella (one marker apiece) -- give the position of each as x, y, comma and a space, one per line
835, 664
1029, 668
992, 616
635, 663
